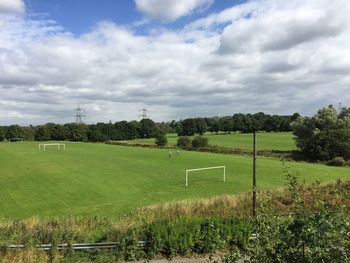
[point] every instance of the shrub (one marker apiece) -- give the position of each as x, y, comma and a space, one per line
161, 140
184, 142
337, 161
316, 235
199, 141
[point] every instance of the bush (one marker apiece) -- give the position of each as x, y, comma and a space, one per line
316, 235
337, 161
199, 141
184, 142
161, 140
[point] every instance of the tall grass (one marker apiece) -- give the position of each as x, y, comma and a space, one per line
182, 228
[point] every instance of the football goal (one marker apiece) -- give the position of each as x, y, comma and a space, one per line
205, 168
15, 139
58, 145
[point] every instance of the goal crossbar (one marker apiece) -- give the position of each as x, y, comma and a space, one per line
43, 145
205, 168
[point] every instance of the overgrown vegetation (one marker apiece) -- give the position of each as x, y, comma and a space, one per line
319, 232
317, 229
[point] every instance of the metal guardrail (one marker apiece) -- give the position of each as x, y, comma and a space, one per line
78, 246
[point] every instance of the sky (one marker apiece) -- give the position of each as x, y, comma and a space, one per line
177, 58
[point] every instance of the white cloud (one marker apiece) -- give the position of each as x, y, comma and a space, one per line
170, 9
281, 30
12, 6
272, 56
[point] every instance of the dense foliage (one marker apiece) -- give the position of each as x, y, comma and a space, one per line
186, 142
236, 123
99, 132
147, 128
161, 139
315, 229
199, 141
319, 233
324, 136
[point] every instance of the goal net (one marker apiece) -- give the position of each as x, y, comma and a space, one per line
206, 168
58, 145
15, 139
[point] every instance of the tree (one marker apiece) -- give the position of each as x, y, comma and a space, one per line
201, 126
161, 139
226, 124
259, 121
329, 144
57, 132
324, 136
189, 127
95, 135
184, 142
199, 141
14, 131
148, 128
132, 129
77, 132
28, 133
344, 118
295, 116
214, 125
2, 134
42, 133
238, 122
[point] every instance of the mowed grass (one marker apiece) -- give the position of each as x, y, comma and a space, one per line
107, 180
282, 141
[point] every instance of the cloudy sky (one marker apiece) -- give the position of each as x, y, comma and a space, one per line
177, 58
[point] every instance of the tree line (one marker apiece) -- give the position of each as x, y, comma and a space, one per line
147, 128
324, 136
245, 123
99, 132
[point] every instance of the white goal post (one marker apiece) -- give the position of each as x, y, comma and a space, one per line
15, 139
205, 168
43, 145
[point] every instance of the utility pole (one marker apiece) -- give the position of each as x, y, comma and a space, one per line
143, 113
254, 174
79, 114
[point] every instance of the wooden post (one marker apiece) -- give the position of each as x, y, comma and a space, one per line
254, 174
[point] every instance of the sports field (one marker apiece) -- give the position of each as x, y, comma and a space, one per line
282, 141
109, 180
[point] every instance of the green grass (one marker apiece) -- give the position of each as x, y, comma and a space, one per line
282, 141
106, 180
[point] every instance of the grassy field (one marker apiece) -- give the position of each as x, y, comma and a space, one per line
282, 141
110, 180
